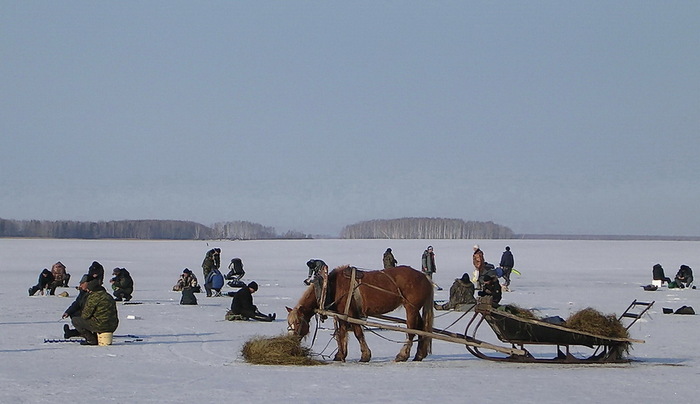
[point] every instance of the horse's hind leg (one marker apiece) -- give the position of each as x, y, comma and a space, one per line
413, 321
341, 338
364, 348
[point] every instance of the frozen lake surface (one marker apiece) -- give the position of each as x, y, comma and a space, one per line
191, 354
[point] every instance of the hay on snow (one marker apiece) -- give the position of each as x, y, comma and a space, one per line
280, 350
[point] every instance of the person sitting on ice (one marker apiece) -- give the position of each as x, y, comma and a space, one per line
76, 308
235, 273
242, 306
99, 314
684, 277
492, 288
187, 280
657, 274
461, 295
214, 281
44, 282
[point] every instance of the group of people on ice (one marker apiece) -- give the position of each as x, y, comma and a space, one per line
682, 280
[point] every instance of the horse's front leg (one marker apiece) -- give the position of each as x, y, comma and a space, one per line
405, 351
364, 348
341, 338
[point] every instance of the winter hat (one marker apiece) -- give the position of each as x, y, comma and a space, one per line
253, 285
93, 285
85, 278
476, 247
187, 271
116, 271
465, 278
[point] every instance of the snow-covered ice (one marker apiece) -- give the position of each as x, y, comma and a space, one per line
191, 354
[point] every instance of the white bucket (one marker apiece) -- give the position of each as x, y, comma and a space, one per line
104, 338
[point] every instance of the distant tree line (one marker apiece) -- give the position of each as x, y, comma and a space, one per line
425, 228
141, 229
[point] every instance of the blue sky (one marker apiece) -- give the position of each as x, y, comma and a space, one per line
544, 116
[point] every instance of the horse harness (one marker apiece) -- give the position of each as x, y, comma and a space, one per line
356, 276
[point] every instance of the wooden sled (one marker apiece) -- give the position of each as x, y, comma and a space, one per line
521, 333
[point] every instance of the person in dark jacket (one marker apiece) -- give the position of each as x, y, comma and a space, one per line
388, 259
684, 277
242, 304
461, 295
657, 274
428, 262
76, 308
212, 260
507, 263
44, 282
96, 271
492, 288
236, 271
99, 314
315, 267
122, 284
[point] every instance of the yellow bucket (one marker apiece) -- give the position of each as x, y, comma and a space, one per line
104, 338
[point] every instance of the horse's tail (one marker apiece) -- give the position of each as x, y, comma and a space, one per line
428, 318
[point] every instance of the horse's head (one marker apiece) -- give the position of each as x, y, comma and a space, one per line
297, 322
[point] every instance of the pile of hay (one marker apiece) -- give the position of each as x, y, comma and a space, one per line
281, 350
520, 312
594, 322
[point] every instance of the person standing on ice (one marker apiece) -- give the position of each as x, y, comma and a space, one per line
211, 260
388, 259
507, 264
479, 266
427, 264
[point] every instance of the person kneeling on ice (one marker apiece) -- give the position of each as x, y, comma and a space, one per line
122, 284
99, 314
461, 295
684, 277
44, 282
492, 288
242, 306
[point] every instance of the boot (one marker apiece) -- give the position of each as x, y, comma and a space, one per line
68, 333
90, 338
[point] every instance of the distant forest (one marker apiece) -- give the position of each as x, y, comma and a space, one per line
406, 228
141, 230
425, 228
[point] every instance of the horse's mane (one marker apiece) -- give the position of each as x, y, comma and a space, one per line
309, 296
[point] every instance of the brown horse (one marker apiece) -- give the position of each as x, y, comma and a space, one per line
370, 293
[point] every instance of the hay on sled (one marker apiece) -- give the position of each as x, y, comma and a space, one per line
594, 322
521, 312
280, 350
